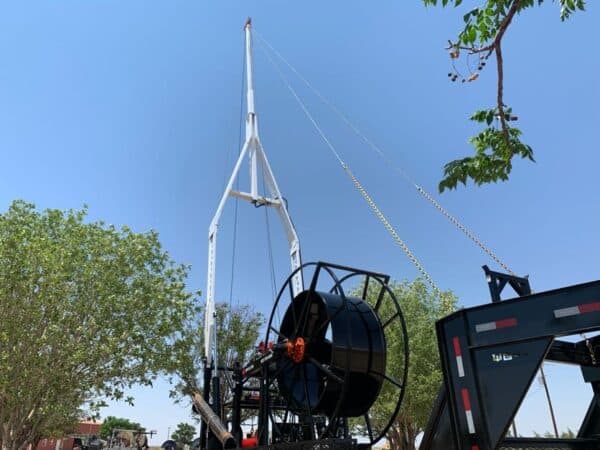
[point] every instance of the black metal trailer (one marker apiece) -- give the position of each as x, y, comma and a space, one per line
490, 355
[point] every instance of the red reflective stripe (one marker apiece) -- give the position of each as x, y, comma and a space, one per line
475, 447
456, 343
466, 400
589, 307
506, 323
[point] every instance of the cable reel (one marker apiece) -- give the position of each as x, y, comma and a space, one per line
331, 347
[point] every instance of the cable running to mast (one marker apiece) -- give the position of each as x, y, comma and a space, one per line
388, 160
356, 182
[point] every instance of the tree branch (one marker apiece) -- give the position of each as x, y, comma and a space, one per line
501, 114
497, 46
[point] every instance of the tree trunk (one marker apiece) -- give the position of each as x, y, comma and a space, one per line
14, 437
35, 442
402, 434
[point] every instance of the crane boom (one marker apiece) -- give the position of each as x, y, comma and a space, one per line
258, 162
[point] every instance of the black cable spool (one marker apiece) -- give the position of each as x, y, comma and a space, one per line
337, 329
332, 364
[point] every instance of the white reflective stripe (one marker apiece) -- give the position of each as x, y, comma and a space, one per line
461, 368
470, 422
489, 326
566, 312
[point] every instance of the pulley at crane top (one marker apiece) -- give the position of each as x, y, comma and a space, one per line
332, 347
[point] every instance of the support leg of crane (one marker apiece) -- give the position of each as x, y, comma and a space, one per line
263, 414
213, 442
236, 427
206, 394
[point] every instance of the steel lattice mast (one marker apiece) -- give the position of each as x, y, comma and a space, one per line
258, 162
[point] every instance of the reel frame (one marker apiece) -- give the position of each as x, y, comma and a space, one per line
333, 422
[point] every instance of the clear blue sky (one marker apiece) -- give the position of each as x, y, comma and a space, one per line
133, 108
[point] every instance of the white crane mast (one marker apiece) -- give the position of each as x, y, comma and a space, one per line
258, 161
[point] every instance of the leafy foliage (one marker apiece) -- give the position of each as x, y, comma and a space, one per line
421, 309
569, 434
495, 146
87, 311
482, 23
111, 423
238, 329
493, 154
184, 434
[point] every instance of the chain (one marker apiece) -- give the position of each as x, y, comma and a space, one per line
464, 229
357, 184
391, 230
386, 158
590, 348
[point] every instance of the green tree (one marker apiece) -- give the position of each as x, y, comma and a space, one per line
184, 434
569, 434
238, 330
113, 423
500, 141
87, 311
60, 419
421, 309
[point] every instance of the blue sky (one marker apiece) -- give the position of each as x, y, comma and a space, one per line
133, 108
